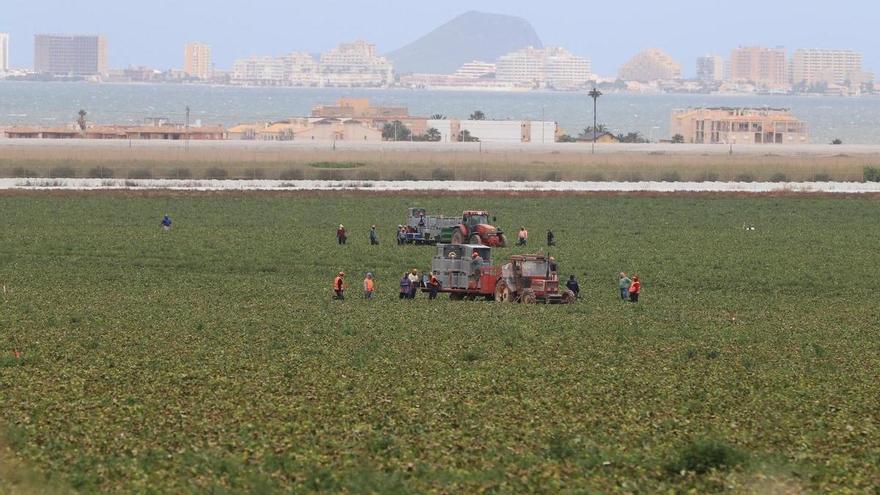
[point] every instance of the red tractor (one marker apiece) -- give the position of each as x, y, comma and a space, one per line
529, 278
475, 229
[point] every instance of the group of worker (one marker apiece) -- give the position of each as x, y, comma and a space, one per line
522, 237
630, 288
409, 285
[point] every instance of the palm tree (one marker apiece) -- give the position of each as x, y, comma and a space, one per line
81, 121
437, 116
478, 115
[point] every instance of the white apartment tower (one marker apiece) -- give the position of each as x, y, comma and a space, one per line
4, 52
355, 64
710, 69
812, 66
552, 67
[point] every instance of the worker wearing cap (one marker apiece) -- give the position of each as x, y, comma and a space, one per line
341, 236
339, 287
413, 283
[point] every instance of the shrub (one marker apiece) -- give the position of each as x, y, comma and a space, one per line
21, 172
442, 174
778, 177
367, 175
101, 173
140, 173
594, 177
292, 174
744, 178
331, 175
254, 174
712, 177
337, 165
702, 456
62, 173
552, 176
518, 177
179, 173
670, 177
821, 178
403, 175
216, 173
872, 174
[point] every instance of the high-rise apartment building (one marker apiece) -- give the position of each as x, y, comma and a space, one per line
650, 65
4, 52
762, 66
355, 64
825, 66
553, 67
710, 69
197, 60
76, 55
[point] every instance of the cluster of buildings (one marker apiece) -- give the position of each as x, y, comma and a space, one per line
348, 65
726, 125
755, 68
528, 68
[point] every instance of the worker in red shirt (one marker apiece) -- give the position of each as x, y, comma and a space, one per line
634, 289
339, 287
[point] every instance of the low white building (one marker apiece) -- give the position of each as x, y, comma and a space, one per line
496, 131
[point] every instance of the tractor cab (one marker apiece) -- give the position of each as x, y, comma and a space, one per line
531, 278
474, 218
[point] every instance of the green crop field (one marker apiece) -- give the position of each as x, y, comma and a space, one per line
212, 359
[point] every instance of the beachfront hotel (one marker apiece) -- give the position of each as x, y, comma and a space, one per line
725, 125
70, 55
651, 65
197, 60
812, 66
551, 67
764, 67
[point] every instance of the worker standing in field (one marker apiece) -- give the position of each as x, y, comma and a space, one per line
433, 286
339, 287
166, 223
551, 238
413, 283
623, 283
522, 238
341, 235
374, 236
635, 289
404, 286
369, 286
573, 286
476, 268
401, 235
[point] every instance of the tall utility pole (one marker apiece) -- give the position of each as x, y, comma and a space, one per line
595, 94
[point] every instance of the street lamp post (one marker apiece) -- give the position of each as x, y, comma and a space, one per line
595, 94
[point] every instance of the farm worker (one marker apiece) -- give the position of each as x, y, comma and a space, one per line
551, 239
413, 283
434, 286
523, 237
166, 223
401, 235
339, 286
553, 266
369, 286
573, 286
422, 220
404, 286
374, 236
623, 283
635, 289
476, 265
341, 236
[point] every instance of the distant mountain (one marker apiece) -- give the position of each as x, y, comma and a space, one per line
470, 36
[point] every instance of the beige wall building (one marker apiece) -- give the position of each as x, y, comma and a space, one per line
739, 126
70, 55
4, 52
197, 60
765, 67
825, 66
651, 65
552, 67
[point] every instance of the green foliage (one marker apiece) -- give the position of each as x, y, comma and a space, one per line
210, 358
179, 173
442, 174
478, 115
702, 456
336, 165
216, 173
140, 173
292, 174
872, 174
396, 131
678, 139
100, 173
62, 172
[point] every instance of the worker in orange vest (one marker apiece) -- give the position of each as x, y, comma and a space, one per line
634, 289
339, 287
369, 286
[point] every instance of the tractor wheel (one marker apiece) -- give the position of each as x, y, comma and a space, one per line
568, 297
528, 297
457, 237
475, 239
502, 293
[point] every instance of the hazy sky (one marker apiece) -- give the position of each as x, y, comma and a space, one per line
153, 32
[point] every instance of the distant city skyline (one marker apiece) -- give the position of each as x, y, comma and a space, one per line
153, 35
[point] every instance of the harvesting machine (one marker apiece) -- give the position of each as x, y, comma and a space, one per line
528, 278
472, 227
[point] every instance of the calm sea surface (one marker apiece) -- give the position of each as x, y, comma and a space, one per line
854, 120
